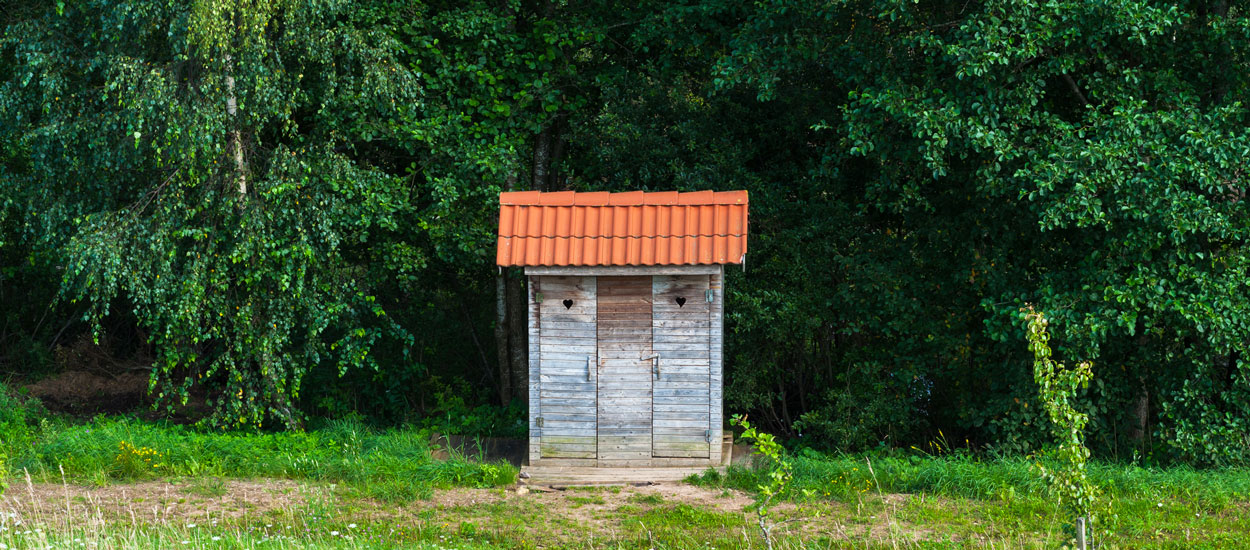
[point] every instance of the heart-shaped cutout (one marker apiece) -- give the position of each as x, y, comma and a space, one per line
681, 301
568, 304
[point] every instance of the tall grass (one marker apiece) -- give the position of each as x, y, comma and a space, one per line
846, 477
393, 464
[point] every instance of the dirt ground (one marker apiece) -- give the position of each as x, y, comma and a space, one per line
82, 391
232, 500
537, 514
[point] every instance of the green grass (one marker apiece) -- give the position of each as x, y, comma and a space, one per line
845, 478
972, 497
392, 465
360, 482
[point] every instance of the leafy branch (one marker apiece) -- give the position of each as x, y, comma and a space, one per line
1057, 387
779, 474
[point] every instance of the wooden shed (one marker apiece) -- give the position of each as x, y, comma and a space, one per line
626, 310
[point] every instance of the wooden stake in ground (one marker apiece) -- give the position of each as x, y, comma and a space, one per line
1080, 533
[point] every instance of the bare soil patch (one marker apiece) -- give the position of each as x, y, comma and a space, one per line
551, 517
80, 391
155, 502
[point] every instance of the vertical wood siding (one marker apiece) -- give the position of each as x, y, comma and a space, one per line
681, 323
624, 406
535, 365
716, 418
567, 355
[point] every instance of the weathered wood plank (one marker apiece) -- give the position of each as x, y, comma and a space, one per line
534, 337
716, 315
687, 426
671, 351
587, 327
696, 323
682, 337
616, 271
567, 354
570, 440
580, 318
683, 314
624, 392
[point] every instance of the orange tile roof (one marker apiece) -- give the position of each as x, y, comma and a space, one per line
616, 229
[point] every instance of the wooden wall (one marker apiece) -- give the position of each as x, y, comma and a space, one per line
602, 400
681, 329
567, 354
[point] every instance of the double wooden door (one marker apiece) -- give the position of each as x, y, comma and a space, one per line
625, 367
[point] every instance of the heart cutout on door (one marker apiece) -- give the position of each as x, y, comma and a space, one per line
568, 304
681, 301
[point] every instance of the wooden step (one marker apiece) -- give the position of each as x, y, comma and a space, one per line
569, 476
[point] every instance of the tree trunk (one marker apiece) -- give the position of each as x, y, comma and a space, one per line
501, 339
554, 180
542, 159
504, 326
1141, 404
1141, 410
518, 332
487, 375
236, 139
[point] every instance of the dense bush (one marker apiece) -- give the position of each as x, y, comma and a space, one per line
917, 172
18, 418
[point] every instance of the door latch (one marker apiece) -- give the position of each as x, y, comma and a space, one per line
707, 435
538, 421
655, 364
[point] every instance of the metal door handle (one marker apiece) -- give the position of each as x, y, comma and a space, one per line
588, 360
655, 364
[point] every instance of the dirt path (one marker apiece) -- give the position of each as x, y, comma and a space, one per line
546, 517
230, 499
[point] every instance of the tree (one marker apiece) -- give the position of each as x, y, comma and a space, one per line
1084, 156
216, 164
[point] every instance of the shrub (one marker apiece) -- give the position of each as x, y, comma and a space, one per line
16, 418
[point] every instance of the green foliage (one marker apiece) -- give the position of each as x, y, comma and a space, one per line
451, 414
18, 428
979, 157
779, 472
1057, 386
393, 464
918, 172
846, 479
242, 279
18, 419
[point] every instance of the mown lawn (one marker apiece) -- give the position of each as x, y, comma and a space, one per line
124, 483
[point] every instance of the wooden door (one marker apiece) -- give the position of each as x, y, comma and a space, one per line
624, 316
682, 339
567, 355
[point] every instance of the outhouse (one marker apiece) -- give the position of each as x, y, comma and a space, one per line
626, 309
